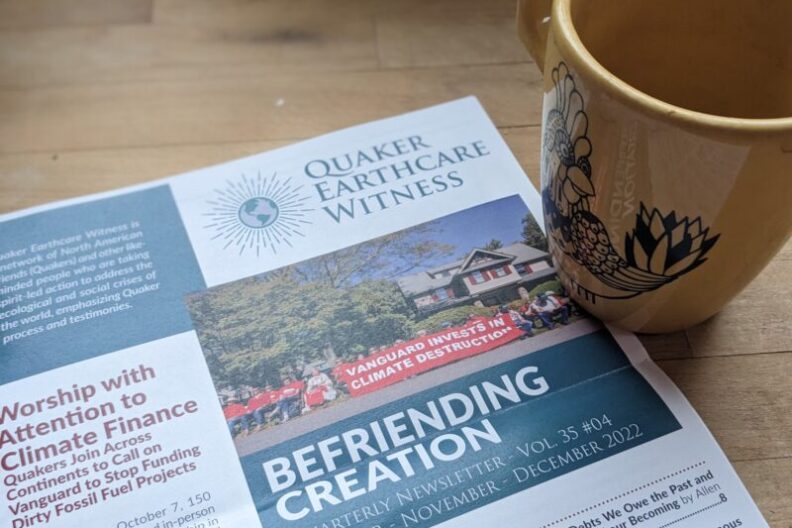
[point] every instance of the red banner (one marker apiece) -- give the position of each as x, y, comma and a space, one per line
404, 360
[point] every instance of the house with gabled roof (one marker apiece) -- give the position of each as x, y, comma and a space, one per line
489, 277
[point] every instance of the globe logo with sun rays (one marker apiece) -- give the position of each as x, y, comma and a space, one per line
253, 214
258, 212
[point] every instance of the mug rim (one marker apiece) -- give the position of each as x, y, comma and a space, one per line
561, 21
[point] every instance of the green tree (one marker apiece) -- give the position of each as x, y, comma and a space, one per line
450, 317
386, 257
493, 245
272, 324
532, 234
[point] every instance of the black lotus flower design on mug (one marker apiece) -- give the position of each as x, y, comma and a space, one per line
660, 248
665, 245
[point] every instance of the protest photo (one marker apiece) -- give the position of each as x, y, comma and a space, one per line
318, 334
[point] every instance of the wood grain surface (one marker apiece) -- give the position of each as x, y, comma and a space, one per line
97, 94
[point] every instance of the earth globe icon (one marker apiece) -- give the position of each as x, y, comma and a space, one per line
258, 212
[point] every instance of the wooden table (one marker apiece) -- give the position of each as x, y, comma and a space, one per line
96, 94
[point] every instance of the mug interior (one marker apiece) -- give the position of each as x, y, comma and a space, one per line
730, 58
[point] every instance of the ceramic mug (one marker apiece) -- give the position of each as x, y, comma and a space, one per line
666, 160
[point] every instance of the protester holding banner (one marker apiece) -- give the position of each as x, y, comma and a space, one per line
518, 320
318, 390
546, 307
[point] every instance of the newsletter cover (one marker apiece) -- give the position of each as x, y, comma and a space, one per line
360, 330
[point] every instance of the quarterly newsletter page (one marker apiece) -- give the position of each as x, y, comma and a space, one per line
360, 330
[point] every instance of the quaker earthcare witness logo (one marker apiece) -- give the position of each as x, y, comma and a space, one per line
255, 214
361, 182
262, 213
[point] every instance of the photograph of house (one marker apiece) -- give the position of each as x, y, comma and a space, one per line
485, 277
318, 333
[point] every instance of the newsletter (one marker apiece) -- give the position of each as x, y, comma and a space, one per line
364, 329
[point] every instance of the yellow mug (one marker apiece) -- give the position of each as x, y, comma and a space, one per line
666, 150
